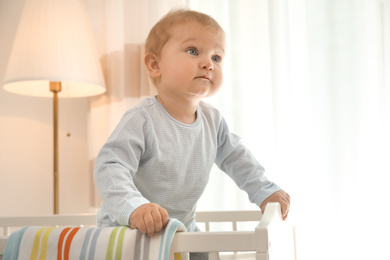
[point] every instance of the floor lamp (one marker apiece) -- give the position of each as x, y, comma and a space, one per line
54, 55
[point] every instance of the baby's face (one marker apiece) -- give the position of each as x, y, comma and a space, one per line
191, 61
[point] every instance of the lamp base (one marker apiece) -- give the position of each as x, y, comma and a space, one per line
55, 87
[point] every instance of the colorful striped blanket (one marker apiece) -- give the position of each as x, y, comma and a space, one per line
91, 243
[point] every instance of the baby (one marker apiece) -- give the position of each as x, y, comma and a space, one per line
157, 161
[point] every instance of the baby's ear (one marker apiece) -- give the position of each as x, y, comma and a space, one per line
151, 63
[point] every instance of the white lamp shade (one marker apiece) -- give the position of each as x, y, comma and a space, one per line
54, 42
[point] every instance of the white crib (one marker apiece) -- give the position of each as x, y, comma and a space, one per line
269, 239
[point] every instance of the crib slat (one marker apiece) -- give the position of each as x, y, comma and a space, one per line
234, 225
207, 226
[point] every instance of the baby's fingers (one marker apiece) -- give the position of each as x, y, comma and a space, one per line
283, 198
285, 210
149, 223
164, 216
158, 223
285, 205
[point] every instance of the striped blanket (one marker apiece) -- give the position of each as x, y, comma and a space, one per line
91, 243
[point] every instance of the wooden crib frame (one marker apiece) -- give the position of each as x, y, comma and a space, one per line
271, 239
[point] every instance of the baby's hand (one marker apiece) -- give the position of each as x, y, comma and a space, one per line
149, 219
283, 198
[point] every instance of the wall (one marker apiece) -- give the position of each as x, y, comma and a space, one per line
26, 143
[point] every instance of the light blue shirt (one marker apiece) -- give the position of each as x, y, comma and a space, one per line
152, 157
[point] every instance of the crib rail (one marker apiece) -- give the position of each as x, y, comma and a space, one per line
271, 238
223, 241
206, 217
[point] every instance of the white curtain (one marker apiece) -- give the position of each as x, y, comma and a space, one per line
307, 87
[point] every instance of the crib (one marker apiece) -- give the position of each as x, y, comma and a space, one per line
268, 237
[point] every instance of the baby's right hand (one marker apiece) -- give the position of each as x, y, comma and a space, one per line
149, 219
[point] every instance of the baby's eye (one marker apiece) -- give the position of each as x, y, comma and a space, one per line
192, 51
217, 58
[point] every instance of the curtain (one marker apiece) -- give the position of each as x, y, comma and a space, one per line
307, 87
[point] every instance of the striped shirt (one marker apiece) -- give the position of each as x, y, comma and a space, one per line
152, 157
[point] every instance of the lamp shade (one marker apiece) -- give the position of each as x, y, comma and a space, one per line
54, 43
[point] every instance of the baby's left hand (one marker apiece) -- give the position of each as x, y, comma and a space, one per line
283, 198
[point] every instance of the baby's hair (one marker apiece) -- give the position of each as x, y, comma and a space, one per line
160, 34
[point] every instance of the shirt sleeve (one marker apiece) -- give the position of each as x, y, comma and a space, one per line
116, 165
238, 162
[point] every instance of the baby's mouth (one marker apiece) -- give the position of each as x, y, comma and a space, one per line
204, 77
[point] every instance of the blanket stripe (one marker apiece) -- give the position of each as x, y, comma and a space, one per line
69, 241
167, 235
119, 246
115, 243
60, 242
111, 243
83, 243
92, 248
37, 241
141, 249
86, 242
12, 252
45, 239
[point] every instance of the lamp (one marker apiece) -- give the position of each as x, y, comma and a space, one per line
54, 55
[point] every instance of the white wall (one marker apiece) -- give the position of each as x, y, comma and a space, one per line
26, 143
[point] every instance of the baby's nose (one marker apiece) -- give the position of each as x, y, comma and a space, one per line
208, 64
